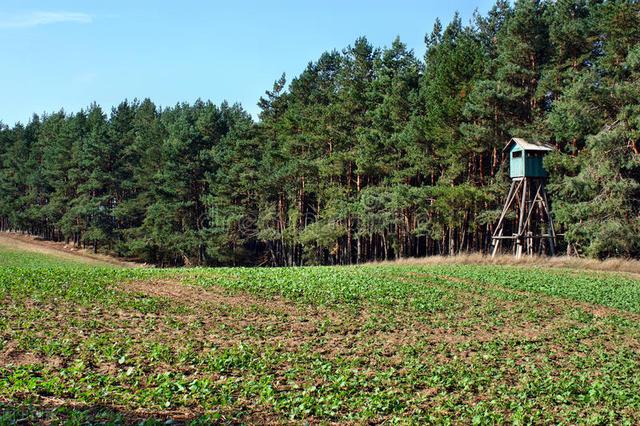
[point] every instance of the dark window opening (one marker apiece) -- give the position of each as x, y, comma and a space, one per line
517, 154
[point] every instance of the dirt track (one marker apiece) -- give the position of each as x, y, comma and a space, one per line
32, 244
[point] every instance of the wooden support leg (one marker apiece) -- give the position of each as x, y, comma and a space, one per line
523, 207
552, 231
495, 242
526, 227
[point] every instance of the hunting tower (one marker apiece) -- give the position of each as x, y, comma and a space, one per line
533, 223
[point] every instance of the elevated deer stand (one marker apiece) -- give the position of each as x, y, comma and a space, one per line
533, 225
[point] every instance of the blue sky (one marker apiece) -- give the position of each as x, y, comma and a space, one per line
66, 54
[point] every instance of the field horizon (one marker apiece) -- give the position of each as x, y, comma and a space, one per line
35, 244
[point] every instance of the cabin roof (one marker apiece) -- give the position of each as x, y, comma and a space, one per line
528, 146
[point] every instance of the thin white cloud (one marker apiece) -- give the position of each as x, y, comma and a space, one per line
35, 19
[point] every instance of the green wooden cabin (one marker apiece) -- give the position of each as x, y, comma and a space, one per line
525, 158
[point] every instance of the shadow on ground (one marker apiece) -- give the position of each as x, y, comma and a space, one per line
75, 414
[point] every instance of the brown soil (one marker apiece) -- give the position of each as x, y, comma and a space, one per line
298, 325
226, 315
33, 244
559, 304
11, 354
211, 295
